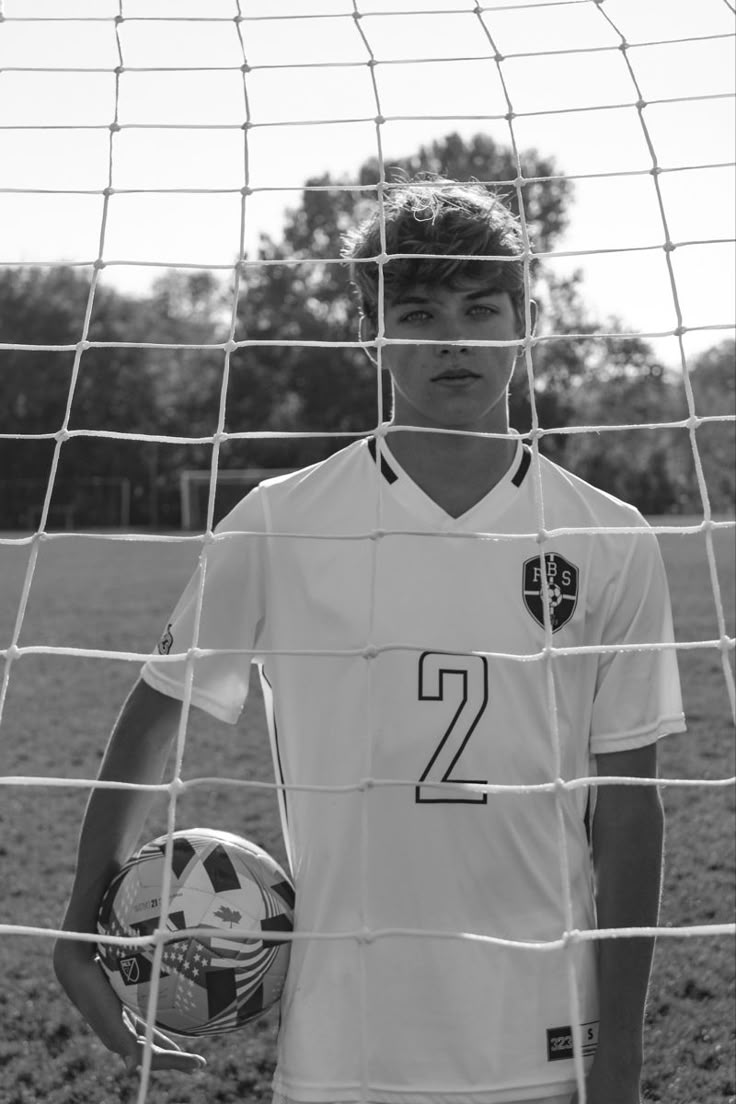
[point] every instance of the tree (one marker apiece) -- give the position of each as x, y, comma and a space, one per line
112, 389
117, 388
640, 465
713, 379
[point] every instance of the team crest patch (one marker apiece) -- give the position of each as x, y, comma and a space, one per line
562, 584
164, 644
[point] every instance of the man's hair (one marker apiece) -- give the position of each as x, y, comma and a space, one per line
437, 216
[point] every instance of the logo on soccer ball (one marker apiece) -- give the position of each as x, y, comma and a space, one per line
164, 644
562, 586
130, 970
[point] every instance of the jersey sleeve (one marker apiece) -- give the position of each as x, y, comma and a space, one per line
230, 577
637, 698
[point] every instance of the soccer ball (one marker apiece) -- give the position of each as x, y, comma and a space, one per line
212, 983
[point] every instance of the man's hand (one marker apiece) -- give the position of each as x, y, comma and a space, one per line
84, 982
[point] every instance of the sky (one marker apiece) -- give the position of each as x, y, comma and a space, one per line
177, 160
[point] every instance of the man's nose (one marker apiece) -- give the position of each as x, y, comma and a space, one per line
453, 349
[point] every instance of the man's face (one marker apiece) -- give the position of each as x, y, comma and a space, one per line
451, 385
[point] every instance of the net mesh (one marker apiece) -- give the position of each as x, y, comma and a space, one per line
356, 19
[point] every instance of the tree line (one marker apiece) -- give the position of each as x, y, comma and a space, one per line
581, 376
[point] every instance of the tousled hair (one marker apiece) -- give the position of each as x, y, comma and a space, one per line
436, 216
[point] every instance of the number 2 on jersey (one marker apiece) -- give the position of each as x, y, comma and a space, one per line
460, 680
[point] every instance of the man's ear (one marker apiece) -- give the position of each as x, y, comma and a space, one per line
534, 312
367, 328
367, 331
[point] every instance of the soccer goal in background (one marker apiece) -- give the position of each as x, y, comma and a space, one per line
232, 485
145, 149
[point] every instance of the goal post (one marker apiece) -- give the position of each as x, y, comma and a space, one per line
232, 485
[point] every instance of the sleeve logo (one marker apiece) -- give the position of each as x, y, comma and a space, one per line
166, 641
562, 584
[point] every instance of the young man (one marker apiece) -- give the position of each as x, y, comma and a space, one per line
402, 599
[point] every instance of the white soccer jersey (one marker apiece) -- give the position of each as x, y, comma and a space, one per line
402, 657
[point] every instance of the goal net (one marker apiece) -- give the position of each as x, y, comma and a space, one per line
150, 149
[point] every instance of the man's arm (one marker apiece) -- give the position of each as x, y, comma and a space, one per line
628, 832
137, 752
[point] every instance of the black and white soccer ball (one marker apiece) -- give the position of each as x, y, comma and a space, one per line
212, 982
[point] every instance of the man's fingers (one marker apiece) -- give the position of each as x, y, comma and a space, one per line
162, 1059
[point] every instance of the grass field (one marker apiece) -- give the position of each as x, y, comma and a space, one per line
97, 594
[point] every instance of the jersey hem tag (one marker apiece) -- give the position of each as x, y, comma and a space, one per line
560, 1042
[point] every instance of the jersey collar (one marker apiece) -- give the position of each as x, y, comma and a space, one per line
412, 497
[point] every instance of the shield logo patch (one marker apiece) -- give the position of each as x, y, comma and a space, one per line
562, 584
130, 970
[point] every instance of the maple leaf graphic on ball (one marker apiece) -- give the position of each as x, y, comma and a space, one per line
228, 915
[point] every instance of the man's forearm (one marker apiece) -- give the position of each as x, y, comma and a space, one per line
137, 752
628, 861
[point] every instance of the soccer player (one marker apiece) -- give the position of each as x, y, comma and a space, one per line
446, 630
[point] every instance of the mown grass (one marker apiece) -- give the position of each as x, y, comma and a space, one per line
89, 593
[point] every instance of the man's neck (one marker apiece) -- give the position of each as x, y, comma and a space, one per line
455, 470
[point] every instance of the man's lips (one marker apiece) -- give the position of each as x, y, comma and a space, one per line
456, 374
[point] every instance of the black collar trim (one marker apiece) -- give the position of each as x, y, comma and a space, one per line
386, 470
523, 468
390, 475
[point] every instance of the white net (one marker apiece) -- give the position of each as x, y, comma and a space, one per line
200, 105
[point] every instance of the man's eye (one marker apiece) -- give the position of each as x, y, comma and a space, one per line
415, 316
482, 308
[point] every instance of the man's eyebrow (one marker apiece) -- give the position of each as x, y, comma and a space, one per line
412, 297
482, 293
401, 300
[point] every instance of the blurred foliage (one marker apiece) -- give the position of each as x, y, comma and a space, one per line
290, 405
